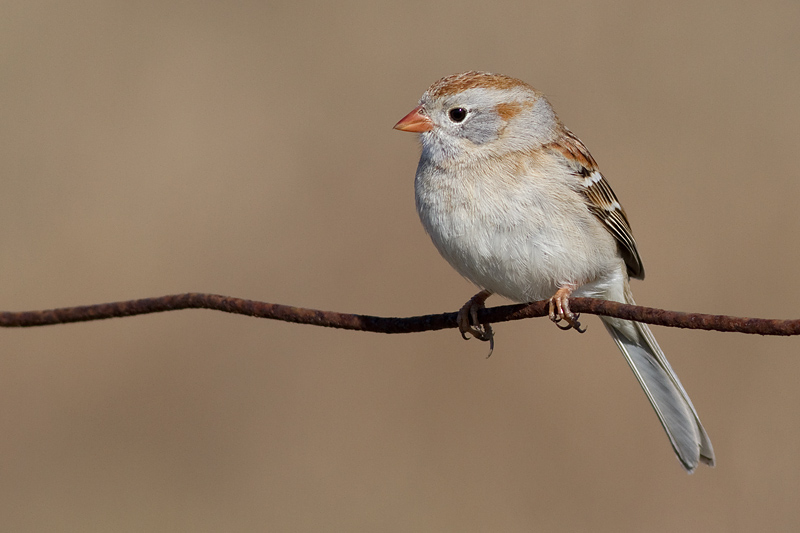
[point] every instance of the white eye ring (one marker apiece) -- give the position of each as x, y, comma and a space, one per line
457, 114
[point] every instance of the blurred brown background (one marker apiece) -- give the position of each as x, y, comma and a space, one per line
246, 149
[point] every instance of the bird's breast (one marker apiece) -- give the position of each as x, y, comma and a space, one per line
516, 236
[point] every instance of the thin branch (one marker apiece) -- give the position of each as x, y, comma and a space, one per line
331, 319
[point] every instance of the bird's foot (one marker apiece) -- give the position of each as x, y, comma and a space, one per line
468, 320
559, 310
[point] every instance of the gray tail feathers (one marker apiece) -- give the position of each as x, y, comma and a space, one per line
663, 389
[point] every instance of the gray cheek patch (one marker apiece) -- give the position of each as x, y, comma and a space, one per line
482, 128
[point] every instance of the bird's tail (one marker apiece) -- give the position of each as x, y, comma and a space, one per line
663, 389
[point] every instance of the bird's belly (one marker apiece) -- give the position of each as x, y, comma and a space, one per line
524, 259
515, 265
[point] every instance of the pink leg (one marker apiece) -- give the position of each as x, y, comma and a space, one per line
468, 320
559, 310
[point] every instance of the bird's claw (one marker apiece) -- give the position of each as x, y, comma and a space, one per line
468, 320
559, 310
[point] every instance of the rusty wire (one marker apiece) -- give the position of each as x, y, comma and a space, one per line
332, 319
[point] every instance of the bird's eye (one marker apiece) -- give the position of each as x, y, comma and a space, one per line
457, 114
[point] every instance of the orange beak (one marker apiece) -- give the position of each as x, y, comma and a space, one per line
415, 122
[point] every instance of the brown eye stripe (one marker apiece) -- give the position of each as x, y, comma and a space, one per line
509, 111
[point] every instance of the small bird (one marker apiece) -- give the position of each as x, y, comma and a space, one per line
515, 202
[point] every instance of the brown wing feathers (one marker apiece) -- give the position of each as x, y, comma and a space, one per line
601, 200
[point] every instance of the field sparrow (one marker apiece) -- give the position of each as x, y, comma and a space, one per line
516, 204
